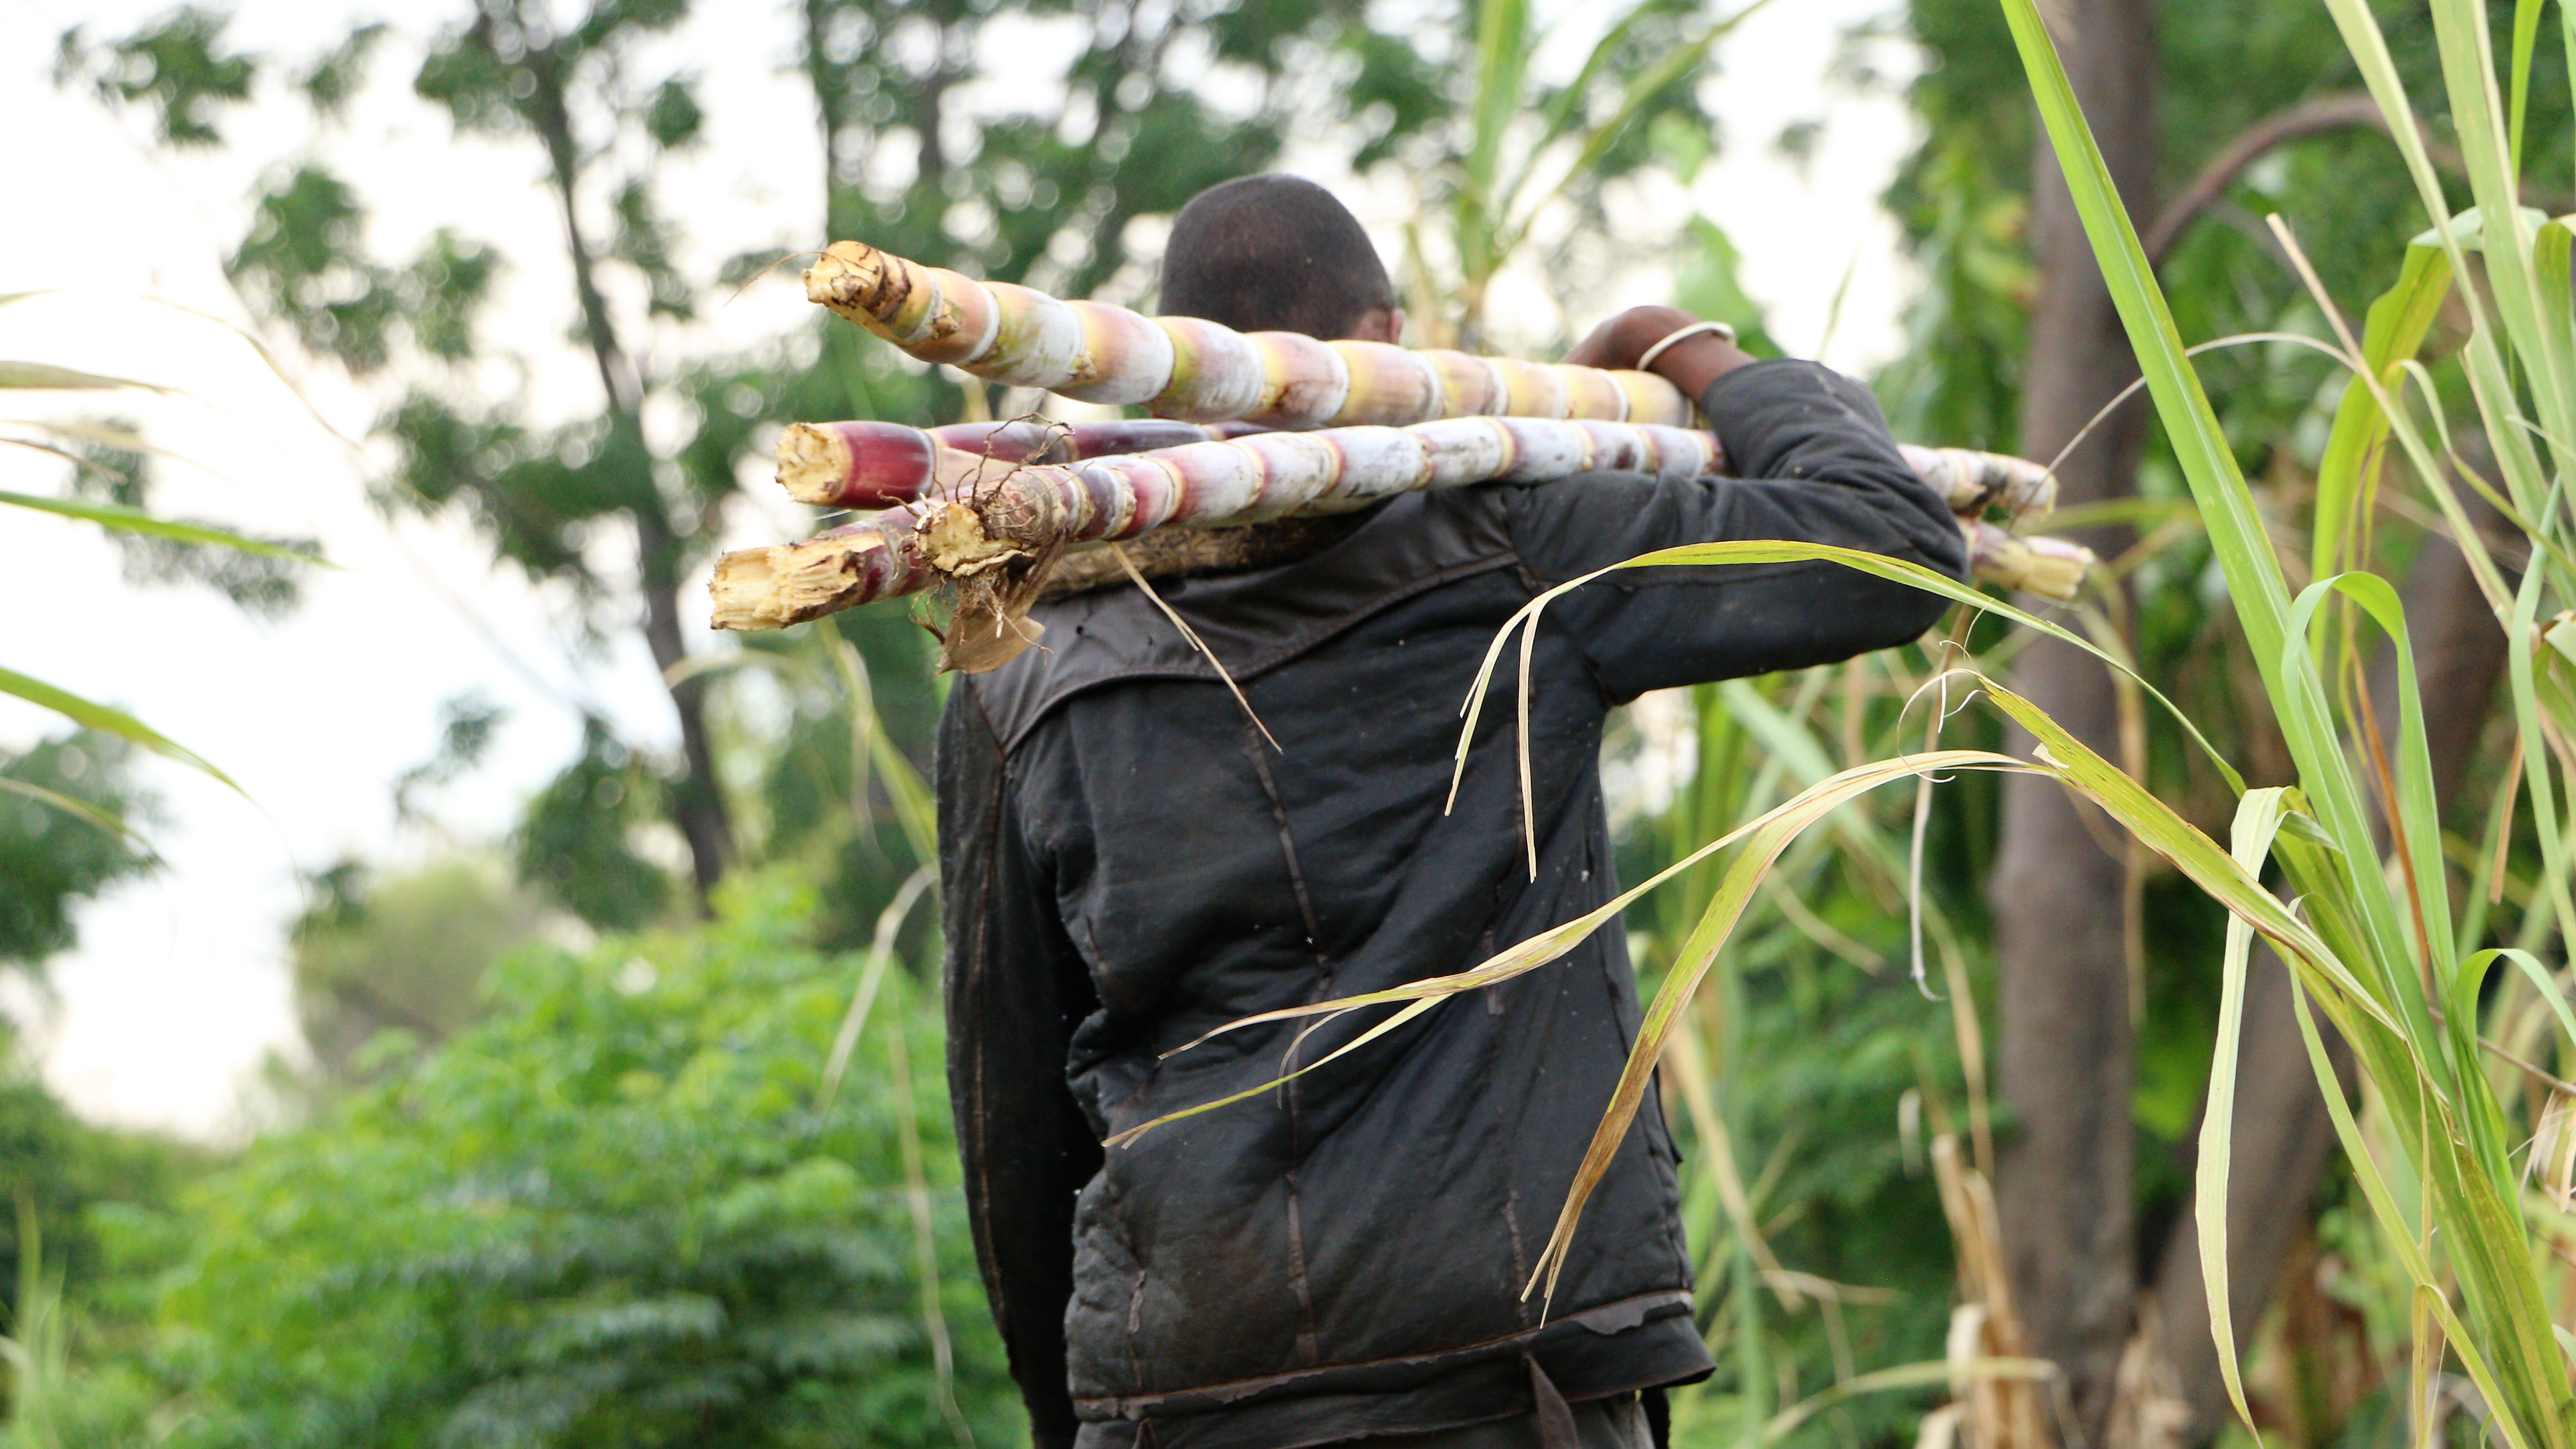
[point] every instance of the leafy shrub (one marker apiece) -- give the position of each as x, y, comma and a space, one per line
609, 1214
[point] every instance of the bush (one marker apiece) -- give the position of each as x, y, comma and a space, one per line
611, 1214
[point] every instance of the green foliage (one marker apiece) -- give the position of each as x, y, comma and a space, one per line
52, 858
608, 1215
574, 840
177, 63
302, 264
260, 576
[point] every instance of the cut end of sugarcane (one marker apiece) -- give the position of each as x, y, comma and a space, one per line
856, 280
2052, 568
952, 536
771, 588
813, 465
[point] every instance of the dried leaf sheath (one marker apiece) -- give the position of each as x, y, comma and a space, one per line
1198, 371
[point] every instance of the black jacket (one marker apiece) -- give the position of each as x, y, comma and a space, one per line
1127, 865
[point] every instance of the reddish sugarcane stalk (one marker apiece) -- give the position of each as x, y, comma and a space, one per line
881, 465
1198, 371
991, 518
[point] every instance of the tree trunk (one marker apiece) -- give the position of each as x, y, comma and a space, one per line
2067, 1055
697, 805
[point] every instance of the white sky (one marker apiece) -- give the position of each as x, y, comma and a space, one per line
178, 989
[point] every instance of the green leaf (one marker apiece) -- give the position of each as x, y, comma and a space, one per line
135, 520
46, 377
78, 809
2394, 330
106, 720
2258, 820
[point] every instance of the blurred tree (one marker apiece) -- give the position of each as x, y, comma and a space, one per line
619, 1211
410, 953
937, 141
265, 585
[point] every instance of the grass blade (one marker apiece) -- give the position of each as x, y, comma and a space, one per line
135, 520
2258, 819
46, 377
93, 715
78, 809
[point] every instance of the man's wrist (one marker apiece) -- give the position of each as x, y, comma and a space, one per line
1690, 363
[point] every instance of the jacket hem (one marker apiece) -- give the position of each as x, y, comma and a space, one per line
1644, 1342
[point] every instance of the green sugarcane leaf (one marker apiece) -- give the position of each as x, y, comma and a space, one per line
106, 720
2415, 816
135, 520
2393, 331
1549, 945
2523, 679
1640, 91
78, 809
1740, 551
1502, 63
2258, 820
2464, 45
2238, 536
1691, 965
2550, 247
105, 434
2526, 36
46, 377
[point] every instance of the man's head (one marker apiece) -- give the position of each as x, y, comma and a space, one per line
1278, 254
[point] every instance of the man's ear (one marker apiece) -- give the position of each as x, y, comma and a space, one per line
1379, 324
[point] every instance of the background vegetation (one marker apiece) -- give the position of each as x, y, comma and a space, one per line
592, 1153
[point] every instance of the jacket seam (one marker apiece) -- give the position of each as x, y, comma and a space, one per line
1119, 1405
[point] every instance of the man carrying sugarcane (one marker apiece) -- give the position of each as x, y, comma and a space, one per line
1129, 862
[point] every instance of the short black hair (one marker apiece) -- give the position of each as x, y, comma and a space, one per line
1272, 253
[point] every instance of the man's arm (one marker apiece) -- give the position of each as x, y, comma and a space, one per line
1816, 465
1015, 990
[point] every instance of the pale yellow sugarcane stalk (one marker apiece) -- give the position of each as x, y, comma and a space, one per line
872, 464
1198, 371
990, 520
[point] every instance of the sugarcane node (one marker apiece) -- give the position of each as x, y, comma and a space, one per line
952, 537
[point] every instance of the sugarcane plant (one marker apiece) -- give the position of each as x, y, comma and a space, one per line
1299, 426
2365, 917
73, 440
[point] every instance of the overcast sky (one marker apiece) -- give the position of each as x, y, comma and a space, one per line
178, 989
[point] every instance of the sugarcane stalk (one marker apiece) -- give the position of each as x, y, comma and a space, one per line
1199, 371
880, 465
2052, 568
857, 563
981, 520
1973, 482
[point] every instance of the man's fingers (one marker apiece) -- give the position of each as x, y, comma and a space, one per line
1596, 349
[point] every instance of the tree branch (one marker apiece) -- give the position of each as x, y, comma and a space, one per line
2348, 110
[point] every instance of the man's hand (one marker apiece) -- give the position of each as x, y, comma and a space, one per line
1690, 364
